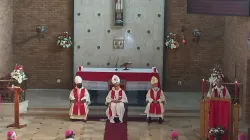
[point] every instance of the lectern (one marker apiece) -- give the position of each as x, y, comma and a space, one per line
17, 91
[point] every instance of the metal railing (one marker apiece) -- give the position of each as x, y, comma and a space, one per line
6, 95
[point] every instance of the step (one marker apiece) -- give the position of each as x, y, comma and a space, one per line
99, 111
103, 108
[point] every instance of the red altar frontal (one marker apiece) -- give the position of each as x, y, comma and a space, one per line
98, 78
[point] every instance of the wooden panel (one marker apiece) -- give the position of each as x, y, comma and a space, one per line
219, 7
202, 119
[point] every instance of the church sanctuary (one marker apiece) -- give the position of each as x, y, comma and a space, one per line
124, 69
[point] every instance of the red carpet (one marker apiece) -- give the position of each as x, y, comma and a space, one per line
117, 131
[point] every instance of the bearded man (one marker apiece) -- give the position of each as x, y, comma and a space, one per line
80, 100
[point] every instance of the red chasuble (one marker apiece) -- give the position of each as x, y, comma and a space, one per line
113, 97
216, 93
155, 108
78, 105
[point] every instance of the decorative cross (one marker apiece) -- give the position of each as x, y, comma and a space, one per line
235, 65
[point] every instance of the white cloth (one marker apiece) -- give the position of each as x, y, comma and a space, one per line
211, 93
162, 101
69, 139
115, 79
78, 80
154, 80
116, 108
86, 104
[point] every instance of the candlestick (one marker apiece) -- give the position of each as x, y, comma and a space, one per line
236, 90
202, 87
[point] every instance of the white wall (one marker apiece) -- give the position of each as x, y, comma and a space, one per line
148, 43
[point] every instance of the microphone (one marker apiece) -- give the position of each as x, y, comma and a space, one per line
116, 69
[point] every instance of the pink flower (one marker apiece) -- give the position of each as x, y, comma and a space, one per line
174, 134
241, 136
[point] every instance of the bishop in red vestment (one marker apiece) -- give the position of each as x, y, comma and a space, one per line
115, 100
156, 100
218, 90
80, 100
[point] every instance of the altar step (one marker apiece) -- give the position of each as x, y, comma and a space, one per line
99, 111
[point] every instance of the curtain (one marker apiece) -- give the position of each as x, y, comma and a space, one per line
219, 115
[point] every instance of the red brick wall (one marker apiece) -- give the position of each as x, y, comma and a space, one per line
43, 61
192, 62
236, 50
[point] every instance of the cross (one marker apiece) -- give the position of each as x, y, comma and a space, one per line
235, 65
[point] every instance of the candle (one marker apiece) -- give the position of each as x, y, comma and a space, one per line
202, 87
236, 90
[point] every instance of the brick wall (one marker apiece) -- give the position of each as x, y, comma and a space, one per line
6, 30
43, 61
236, 51
192, 62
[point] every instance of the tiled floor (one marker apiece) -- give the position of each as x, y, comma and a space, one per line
53, 129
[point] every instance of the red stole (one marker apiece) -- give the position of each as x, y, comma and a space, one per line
216, 93
78, 105
113, 97
155, 108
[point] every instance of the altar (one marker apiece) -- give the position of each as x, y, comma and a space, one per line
137, 82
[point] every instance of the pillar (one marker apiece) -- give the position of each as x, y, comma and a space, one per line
6, 32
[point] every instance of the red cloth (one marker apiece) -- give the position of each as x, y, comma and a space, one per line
128, 76
216, 93
117, 131
78, 105
113, 97
219, 116
155, 108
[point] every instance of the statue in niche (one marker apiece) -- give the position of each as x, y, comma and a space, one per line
118, 13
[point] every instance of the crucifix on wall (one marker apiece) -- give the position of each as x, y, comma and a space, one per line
118, 19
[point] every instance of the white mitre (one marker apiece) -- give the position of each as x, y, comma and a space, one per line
115, 79
154, 80
78, 80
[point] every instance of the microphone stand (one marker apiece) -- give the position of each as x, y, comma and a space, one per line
116, 69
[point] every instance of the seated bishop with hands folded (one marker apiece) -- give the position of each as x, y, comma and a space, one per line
156, 100
115, 100
80, 100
